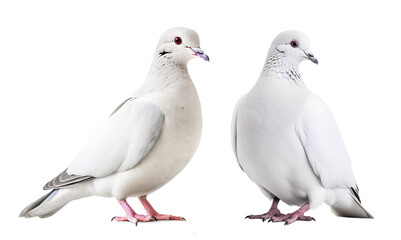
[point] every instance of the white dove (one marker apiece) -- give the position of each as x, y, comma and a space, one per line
146, 142
286, 140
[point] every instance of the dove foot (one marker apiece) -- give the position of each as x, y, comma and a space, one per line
295, 216
152, 212
273, 212
132, 216
265, 216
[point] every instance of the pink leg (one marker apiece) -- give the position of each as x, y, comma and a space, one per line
152, 212
292, 217
132, 216
273, 211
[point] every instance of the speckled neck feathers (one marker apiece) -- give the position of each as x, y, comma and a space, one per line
282, 65
164, 72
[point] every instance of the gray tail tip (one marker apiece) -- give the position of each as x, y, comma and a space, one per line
35, 204
25, 211
370, 215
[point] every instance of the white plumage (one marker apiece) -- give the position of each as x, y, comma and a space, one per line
122, 141
147, 140
286, 139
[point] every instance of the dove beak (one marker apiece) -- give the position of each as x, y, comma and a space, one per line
199, 52
311, 57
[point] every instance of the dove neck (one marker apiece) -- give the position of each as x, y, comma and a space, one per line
281, 66
164, 73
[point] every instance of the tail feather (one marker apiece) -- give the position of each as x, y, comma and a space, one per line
26, 212
349, 206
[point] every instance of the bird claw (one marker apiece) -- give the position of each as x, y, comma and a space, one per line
291, 218
134, 219
270, 214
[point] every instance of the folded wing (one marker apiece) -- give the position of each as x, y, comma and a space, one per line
118, 145
324, 146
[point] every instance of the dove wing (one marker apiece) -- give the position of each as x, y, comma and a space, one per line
119, 144
234, 127
324, 146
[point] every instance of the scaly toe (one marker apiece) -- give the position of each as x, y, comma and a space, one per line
125, 219
168, 217
291, 218
280, 218
145, 218
265, 216
306, 218
135, 219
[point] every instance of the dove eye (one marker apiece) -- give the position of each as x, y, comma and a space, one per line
177, 40
294, 43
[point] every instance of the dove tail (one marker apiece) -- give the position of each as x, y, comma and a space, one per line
347, 205
37, 208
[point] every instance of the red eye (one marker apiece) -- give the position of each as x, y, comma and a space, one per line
177, 40
294, 43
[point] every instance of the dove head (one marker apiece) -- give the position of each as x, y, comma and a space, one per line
293, 45
180, 45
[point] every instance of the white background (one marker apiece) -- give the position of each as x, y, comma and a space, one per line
65, 65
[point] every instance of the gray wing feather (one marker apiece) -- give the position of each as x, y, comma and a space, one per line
355, 192
64, 180
119, 106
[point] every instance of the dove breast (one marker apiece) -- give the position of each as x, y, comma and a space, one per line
268, 147
178, 141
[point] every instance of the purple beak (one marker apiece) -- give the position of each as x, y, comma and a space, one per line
199, 52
